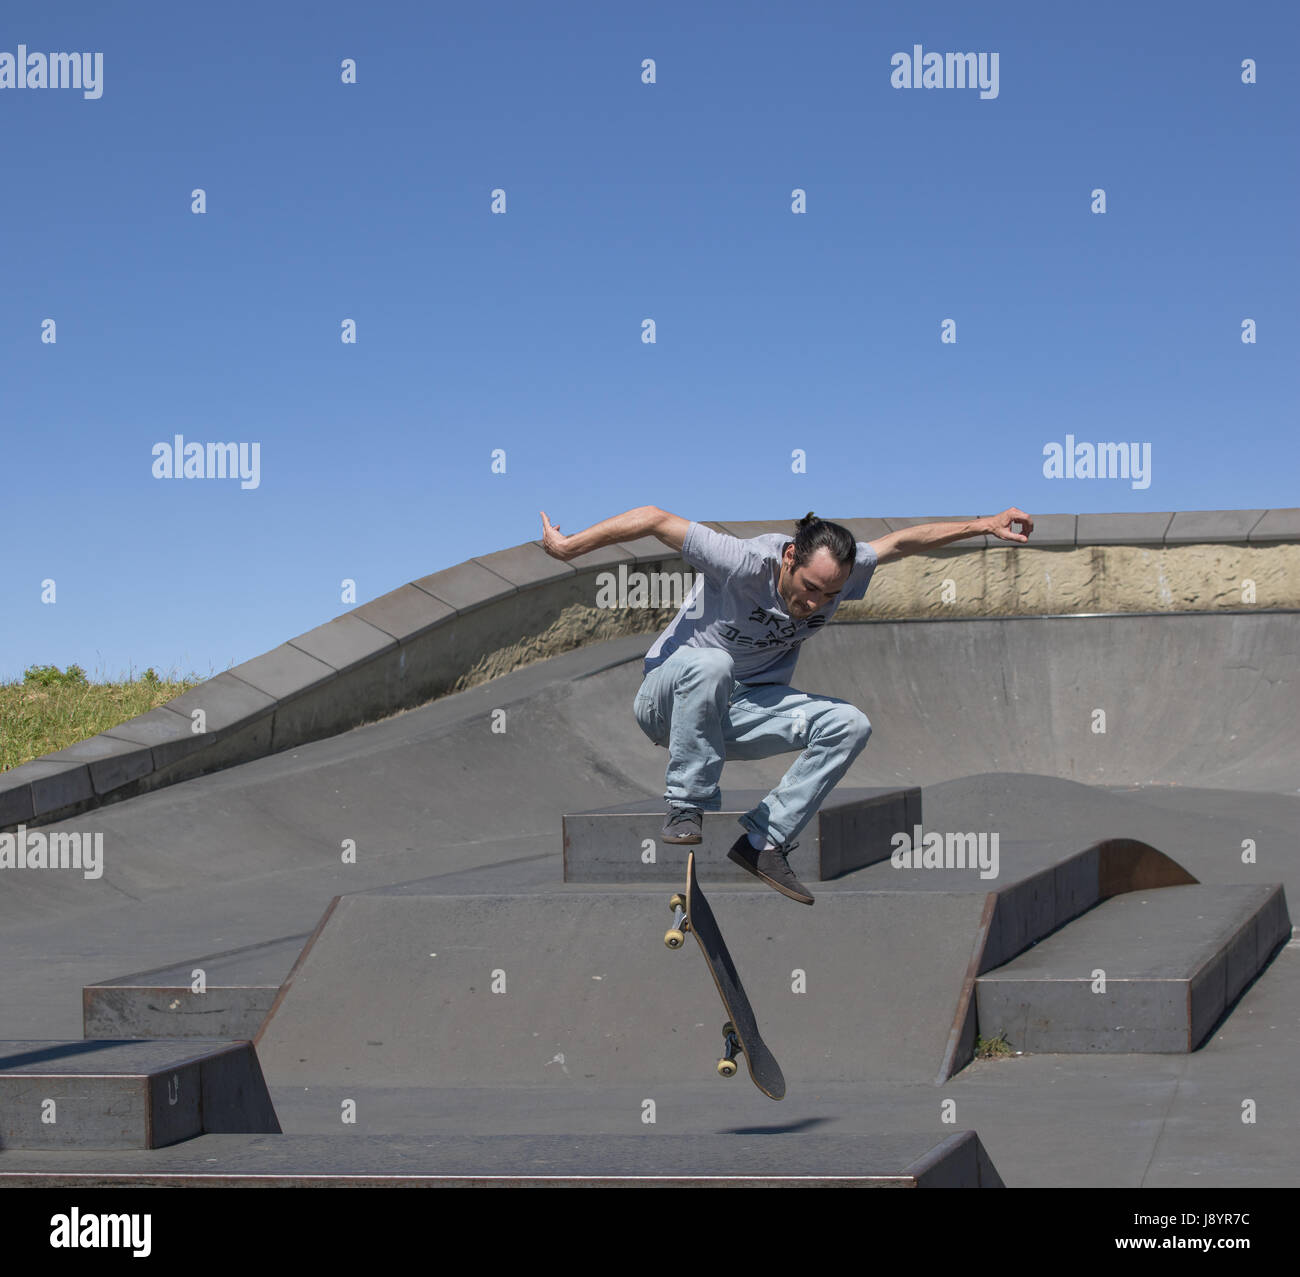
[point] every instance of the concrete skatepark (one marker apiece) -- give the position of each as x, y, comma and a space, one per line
420, 966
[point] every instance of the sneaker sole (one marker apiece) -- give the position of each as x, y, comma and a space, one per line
771, 882
689, 839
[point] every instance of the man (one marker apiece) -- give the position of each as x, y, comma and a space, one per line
717, 680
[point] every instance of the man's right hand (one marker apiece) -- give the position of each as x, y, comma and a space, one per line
553, 543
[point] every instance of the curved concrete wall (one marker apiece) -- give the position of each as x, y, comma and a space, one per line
482, 618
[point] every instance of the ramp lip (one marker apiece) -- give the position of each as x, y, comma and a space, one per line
1061, 616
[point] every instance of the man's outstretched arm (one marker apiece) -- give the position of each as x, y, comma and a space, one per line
644, 521
930, 536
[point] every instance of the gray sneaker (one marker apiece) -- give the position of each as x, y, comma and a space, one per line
771, 867
683, 825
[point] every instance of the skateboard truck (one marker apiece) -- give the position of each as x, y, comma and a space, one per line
676, 935
731, 1048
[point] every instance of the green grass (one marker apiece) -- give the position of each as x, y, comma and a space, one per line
52, 708
993, 1048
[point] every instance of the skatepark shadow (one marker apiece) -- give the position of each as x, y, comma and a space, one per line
804, 1124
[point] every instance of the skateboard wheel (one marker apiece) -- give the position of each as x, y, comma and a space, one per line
677, 902
674, 939
726, 1068
728, 1029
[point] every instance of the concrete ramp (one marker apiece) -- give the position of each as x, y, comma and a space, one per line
577, 988
1188, 699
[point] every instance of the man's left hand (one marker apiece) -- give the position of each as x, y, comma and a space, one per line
1000, 525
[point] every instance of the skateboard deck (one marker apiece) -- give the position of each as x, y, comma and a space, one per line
740, 1034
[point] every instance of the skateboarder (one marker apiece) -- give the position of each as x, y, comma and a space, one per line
717, 680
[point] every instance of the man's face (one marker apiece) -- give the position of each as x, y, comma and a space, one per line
812, 586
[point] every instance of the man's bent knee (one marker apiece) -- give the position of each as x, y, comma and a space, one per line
860, 725
850, 723
710, 663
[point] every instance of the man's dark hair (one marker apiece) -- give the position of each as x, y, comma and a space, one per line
812, 534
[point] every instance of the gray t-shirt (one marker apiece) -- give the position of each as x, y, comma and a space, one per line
734, 604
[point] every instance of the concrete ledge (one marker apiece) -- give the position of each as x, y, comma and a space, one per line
113, 762
1277, 525
1197, 527
406, 613
285, 672
37, 790
1123, 529
169, 735
241, 986
1175, 960
476, 620
852, 829
119, 1095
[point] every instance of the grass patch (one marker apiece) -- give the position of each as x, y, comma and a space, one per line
993, 1048
52, 708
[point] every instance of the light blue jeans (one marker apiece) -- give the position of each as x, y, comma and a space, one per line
694, 707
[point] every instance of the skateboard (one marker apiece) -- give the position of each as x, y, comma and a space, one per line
740, 1034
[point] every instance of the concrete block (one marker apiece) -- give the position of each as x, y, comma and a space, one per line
852, 829
1051, 532
54, 786
1124, 529
285, 672
228, 702
169, 735
1175, 959
526, 565
1277, 525
466, 586
111, 1095
113, 762
647, 550
405, 613
1191, 527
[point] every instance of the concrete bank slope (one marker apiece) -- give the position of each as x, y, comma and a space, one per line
472, 622
576, 989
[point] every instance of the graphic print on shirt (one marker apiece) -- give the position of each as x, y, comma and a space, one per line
780, 630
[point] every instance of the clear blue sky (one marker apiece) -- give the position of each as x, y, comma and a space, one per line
626, 202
